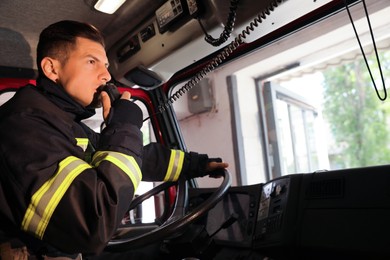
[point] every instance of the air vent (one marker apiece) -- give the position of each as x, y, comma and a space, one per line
326, 189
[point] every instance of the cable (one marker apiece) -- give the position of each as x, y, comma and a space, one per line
224, 36
375, 49
222, 56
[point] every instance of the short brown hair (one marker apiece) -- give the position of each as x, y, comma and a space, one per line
59, 38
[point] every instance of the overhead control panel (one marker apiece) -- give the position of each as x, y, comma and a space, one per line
174, 10
171, 30
168, 13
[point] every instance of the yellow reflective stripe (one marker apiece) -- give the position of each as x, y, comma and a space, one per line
175, 165
125, 162
46, 199
82, 142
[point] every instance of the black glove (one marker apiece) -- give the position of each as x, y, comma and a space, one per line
217, 172
125, 111
198, 164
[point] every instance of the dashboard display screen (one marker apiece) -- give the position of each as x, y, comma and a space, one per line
232, 220
233, 206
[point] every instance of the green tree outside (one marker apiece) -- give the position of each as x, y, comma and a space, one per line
358, 120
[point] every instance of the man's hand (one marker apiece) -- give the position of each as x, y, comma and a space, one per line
212, 166
215, 167
106, 102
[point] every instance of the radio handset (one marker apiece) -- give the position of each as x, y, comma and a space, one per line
112, 92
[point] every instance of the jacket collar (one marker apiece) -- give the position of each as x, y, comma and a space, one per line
59, 97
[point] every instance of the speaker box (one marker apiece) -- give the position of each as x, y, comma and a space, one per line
200, 97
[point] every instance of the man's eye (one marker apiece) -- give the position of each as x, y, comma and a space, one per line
91, 61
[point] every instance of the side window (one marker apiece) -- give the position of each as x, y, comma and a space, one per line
5, 96
205, 124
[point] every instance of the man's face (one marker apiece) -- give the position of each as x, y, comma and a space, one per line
84, 70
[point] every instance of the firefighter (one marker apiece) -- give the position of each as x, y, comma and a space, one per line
64, 188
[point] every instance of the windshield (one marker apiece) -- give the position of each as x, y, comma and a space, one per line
302, 104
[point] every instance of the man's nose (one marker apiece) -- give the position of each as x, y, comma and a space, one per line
105, 76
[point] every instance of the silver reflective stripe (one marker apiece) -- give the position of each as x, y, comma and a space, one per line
175, 165
125, 162
46, 199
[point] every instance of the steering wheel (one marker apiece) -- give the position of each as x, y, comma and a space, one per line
178, 220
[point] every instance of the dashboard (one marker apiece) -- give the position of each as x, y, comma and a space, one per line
326, 215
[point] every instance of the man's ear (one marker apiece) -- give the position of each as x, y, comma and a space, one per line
50, 68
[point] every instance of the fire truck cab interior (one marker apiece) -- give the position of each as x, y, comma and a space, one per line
208, 76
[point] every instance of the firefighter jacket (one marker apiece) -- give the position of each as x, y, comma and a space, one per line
65, 184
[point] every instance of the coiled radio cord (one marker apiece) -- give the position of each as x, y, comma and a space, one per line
224, 36
222, 56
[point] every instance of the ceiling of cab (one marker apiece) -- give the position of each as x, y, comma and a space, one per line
21, 22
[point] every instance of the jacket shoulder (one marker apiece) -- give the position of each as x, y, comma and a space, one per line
30, 101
